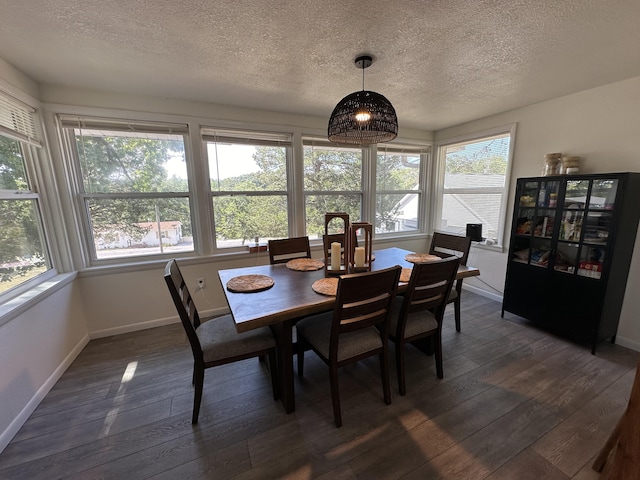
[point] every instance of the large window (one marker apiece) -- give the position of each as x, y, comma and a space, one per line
399, 188
473, 177
248, 179
133, 189
23, 249
332, 183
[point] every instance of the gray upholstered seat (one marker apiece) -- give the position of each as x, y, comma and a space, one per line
219, 339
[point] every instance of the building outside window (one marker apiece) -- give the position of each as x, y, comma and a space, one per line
24, 254
249, 185
400, 184
132, 184
472, 181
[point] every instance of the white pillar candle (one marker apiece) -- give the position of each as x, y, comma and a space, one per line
359, 257
335, 256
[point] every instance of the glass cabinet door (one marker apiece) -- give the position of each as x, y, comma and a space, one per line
535, 222
597, 225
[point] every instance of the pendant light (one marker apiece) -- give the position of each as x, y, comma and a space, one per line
363, 117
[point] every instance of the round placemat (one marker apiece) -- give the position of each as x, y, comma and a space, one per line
421, 257
405, 275
326, 286
305, 264
250, 283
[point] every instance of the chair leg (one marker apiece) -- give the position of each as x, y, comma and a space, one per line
335, 395
273, 371
197, 398
400, 367
300, 348
456, 307
437, 340
384, 372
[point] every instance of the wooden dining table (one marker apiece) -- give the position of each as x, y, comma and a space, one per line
291, 298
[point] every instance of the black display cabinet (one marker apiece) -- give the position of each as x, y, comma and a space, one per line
572, 239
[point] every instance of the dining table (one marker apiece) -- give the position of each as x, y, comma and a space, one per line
289, 296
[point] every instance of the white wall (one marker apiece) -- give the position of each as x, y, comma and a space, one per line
601, 126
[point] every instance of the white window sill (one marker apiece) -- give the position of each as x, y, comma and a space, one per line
494, 247
21, 303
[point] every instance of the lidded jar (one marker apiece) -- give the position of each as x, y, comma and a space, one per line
570, 165
551, 164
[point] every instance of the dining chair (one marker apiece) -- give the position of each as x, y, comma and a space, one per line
356, 328
215, 341
445, 245
285, 249
417, 316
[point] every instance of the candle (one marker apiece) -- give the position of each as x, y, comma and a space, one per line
359, 257
335, 256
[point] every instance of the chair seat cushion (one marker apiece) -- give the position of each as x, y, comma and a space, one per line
417, 322
317, 331
220, 339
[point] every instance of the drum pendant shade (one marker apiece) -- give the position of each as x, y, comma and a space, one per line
363, 117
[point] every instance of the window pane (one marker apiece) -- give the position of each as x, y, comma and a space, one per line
331, 169
477, 164
396, 212
115, 162
460, 209
240, 219
12, 173
241, 167
317, 205
123, 227
398, 171
22, 248
474, 185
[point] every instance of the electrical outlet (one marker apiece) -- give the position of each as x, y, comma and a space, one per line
201, 283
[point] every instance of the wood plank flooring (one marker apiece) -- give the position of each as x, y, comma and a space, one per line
515, 403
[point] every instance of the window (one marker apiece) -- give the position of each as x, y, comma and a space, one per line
399, 189
249, 186
23, 249
332, 183
473, 176
133, 184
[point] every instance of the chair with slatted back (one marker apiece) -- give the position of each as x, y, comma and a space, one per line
356, 328
216, 342
285, 249
417, 316
445, 245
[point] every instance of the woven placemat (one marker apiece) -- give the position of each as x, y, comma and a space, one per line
326, 286
421, 257
405, 275
305, 264
250, 283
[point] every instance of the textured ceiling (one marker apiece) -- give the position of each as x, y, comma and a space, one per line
440, 63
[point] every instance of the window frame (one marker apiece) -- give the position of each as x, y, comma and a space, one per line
21, 122
67, 123
424, 151
365, 173
440, 190
238, 136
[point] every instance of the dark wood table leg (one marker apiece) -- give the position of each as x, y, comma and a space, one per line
283, 332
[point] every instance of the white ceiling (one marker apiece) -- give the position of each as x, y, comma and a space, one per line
440, 62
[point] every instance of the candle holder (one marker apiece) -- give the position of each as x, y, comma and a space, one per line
336, 257
360, 255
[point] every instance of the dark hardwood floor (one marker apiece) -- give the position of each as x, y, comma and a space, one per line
515, 403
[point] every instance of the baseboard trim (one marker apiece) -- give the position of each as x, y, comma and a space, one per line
159, 322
